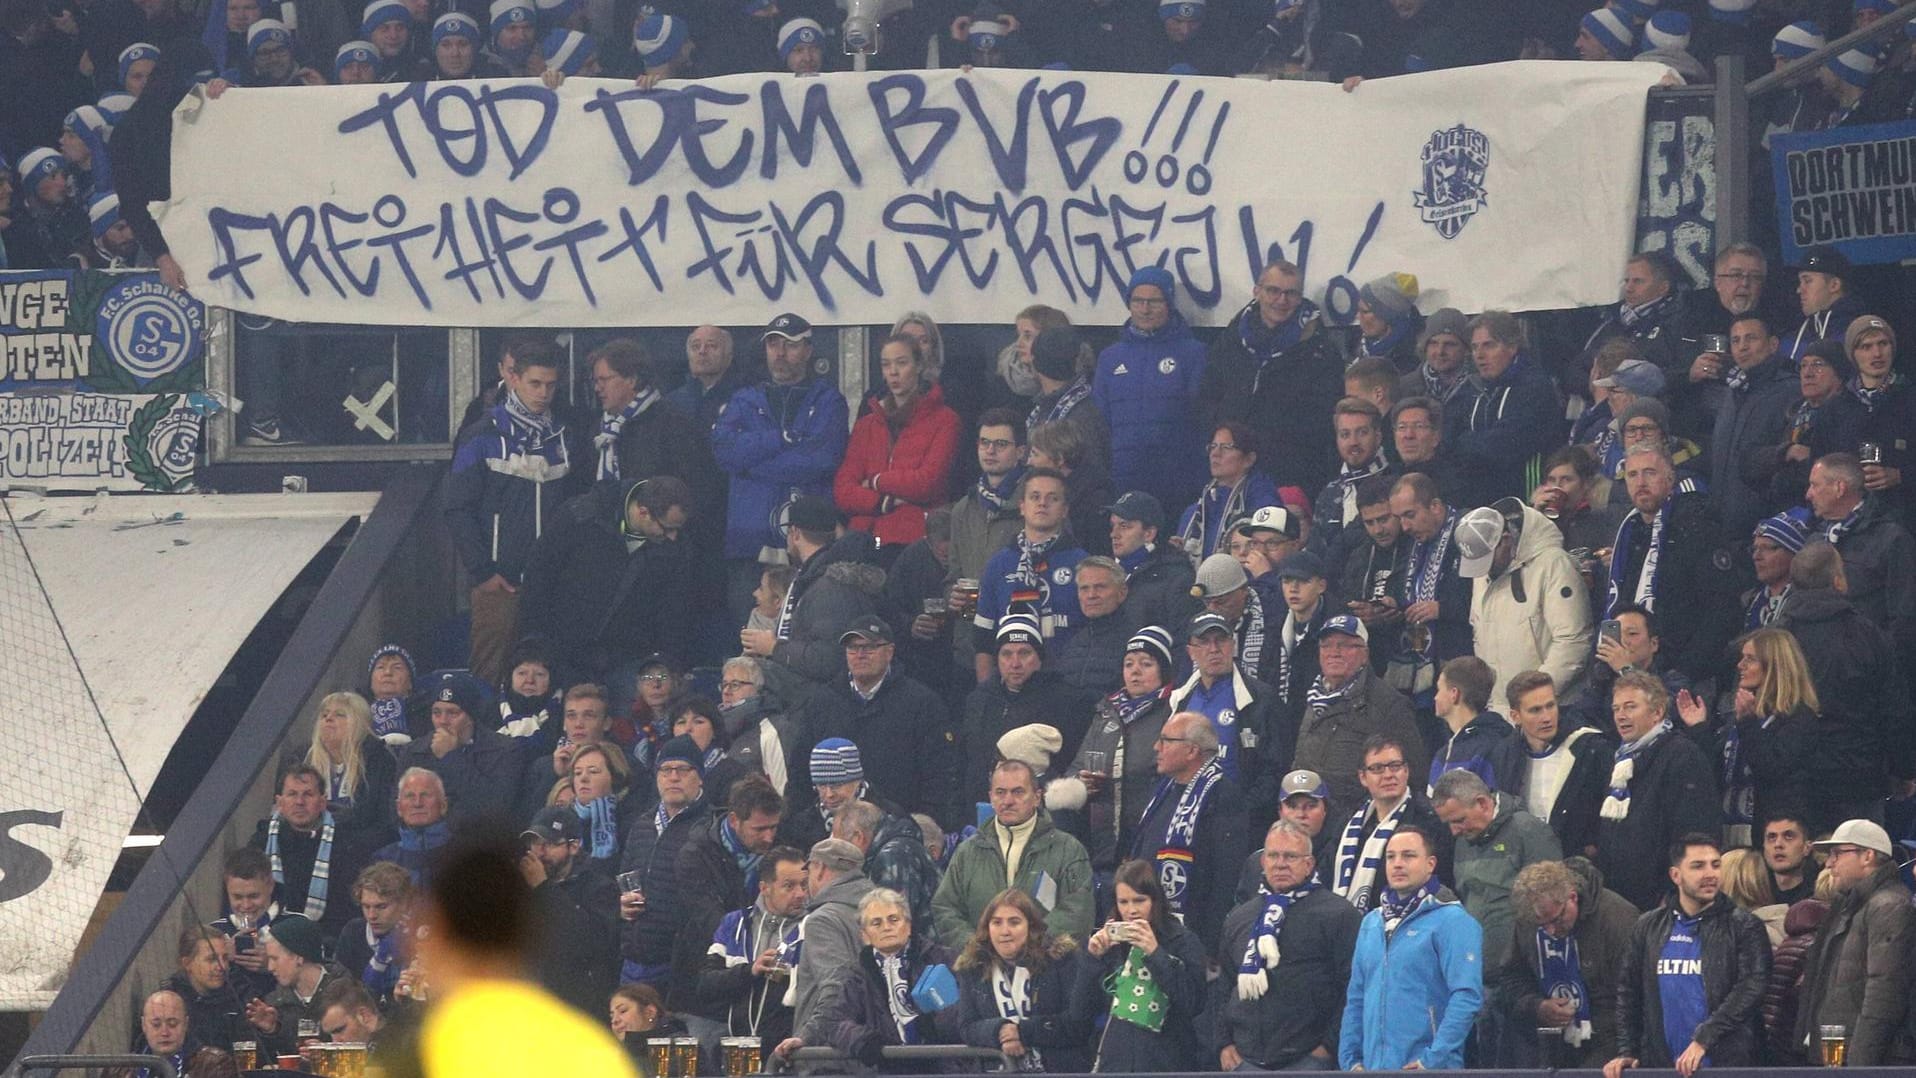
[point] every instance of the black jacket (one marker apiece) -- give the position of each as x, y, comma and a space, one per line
1092, 660
1178, 967
1863, 734
1285, 398
991, 710
861, 1020
598, 602
1672, 794
216, 1017
578, 956
1756, 415
649, 940
907, 743
1890, 423
481, 777
1836, 426
297, 852
1879, 562
1060, 1024
665, 441
1574, 816
833, 587
1218, 840
1303, 1008
1736, 963
1517, 421
711, 884
1695, 616
1159, 589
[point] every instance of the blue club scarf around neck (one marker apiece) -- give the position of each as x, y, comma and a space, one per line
998, 497
748, 861
1645, 593
1398, 329
1068, 398
1261, 952
320, 882
1616, 803
1560, 976
381, 974
1175, 858
525, 430
610, 426
1265, 343
601, 816
1396, 908
1872, 397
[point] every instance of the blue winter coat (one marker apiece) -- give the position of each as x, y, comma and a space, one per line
1417, 996
1146, 387
1259, 491
773, 459
498, 500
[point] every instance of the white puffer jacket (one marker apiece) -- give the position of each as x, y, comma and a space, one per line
1536, 615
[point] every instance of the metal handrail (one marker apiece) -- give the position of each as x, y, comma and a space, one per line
1795, 69
157, 1064
824, 1054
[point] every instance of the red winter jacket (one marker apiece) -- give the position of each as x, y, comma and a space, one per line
912, 470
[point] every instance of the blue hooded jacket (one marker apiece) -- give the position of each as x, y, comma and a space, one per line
1146, 387
503, 488
773, 459
1417, 996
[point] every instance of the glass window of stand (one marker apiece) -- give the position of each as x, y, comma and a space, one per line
327, 385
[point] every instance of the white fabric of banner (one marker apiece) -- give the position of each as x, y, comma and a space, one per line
851, 197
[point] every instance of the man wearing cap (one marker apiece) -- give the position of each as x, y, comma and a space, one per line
1668, 558
1826, 419
1845, 79
1343, 708
1857, 972
1693, 974
1773, 546
1291, 659
296, 959
1020, 693
652, 846
1650, 312
1157, 576
1265, 539
1604, 34
835, 585
1146, 387
1035, 573
1226, 590
1021, 847
1359, 430
114, 246
1632, 380
576, 901
1529, 609
1823, 290
1754, 414
1443, 373
1276, 365
1064, 395
894, 720
1252, 743
479, 766
1879, 556
801, 46
829, 941
1284, 955
776, 440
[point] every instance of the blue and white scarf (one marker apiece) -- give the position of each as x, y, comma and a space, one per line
1359, 858
1739, 784
1265, 344
1380, 348
1765, 607
1011, 991
607, 440
1616, 803
1645, 593
322, 864
1068, 398
1629, 316
1560, 976
1348, 478
381, 974
525, 430
1294, 635
1872, 397
904, 1013
1834, 530
1320, 696
1215, 504
998, 497
178, 1059
1398, 907
1437, 388
389, 716
746, 860
1174, 859
601, 816
1261, 951
1427, 561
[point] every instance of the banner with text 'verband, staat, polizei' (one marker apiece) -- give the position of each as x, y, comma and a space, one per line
851, 197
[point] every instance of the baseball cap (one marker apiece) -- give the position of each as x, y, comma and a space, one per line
1824, 259
836, 854
1220, 574
871, 627
1303, 565
789, 326
1478, 534
1864, 833
1208, 622
1139, 506
810, 512
1270, 518
1308, 783
1641, 377
556, 823
1346, 624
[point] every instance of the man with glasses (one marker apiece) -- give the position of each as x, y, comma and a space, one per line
1342, 709
1857, 973
898, 724
1266, 539
1276, 367
1284, 961
1193, 826
1357, 865
1561, 970
1251, 744
985, 519
1417, 432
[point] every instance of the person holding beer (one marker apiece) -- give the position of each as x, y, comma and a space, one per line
1856, 977
1693, 974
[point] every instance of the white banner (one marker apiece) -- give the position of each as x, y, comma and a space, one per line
850, 198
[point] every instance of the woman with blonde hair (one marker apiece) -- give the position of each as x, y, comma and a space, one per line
1017, 989
600, 781
1762, 746
1746, 880
361, 774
